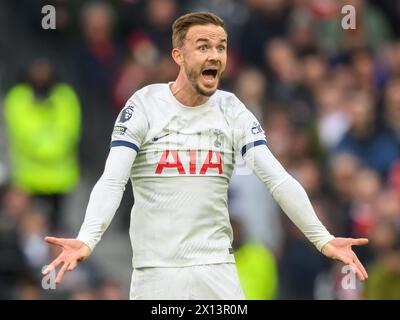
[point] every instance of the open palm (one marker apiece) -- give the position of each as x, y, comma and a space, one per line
340, 249
73, 251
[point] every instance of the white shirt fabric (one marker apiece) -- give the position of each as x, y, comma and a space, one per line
180, 160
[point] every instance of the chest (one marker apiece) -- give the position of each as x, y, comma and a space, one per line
189, 143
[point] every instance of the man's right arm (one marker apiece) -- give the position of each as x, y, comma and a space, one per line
104, 201
129, 132
106, 195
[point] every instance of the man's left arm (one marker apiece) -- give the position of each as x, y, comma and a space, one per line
293, 200
289, 194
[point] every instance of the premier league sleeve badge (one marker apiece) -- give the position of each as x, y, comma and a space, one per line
126, 114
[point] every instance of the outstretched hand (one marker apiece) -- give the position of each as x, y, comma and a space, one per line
73, 251
340, 249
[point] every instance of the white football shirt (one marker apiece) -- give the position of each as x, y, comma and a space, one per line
185, 158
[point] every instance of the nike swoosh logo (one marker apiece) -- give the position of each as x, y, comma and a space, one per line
158, 138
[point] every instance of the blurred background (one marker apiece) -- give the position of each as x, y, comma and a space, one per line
329, 100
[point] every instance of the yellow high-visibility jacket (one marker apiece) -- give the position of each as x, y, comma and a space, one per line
43, 137
257, 270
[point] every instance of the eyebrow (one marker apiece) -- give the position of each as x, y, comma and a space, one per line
206, 40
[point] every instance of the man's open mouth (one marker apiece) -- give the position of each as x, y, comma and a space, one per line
209, 74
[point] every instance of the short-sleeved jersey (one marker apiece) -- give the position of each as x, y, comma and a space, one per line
185, 158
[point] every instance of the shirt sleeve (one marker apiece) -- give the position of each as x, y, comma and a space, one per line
248, 132
129, 133
106, 195
131, 126
288, 193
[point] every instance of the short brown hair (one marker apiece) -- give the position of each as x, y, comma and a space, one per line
183, 23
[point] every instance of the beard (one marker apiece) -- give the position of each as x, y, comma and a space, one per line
193, 77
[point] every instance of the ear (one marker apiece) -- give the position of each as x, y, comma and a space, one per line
177, 55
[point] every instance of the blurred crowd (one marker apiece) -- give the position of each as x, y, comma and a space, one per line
329, 100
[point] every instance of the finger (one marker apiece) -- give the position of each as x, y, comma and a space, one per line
361, 267
357, 271
72, 265
52, 265
54, 240
359, 242
354, 268
61, 273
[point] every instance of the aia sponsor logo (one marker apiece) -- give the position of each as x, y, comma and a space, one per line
174, 159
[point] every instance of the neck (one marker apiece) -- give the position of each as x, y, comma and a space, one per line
185, 93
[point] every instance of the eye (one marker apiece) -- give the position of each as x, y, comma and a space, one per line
221, 48
203, 48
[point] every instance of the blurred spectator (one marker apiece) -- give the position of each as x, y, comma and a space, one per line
279, 133
366, 188
364, 139
256, 265
343, 77
285, 79
160, 15
392, 106
363, 216
332, 120
301, 33
343, 171
363, 65
99, 54
139, 68
387, 207
266, 21
32, 230
392, 58
314, 71
43, 125
13, 204
342, 175
251, 90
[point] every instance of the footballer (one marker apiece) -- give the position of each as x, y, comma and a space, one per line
177, 143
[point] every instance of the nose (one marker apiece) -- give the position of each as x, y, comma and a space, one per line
214, 55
